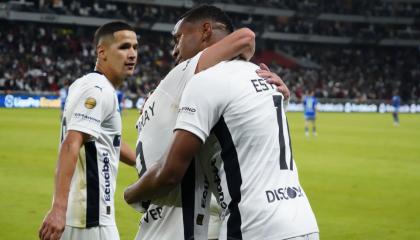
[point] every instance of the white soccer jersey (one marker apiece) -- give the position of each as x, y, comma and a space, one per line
259, 188
92, 108
174, 216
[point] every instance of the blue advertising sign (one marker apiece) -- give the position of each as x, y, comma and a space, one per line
28, 101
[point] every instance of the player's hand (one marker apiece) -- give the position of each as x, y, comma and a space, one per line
273, 78
53, 225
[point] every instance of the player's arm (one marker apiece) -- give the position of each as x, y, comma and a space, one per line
160, 179
54, 223
192, 129
239, 43
127, 155
273, 78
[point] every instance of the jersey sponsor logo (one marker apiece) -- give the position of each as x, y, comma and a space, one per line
147, 114
189, 110
260, 85
285, 193
217, 181
86, 117
153, 214
107, 176
90, 103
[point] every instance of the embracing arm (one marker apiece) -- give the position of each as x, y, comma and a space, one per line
160, 179
273, 78
239, 43
127, 155
53, 224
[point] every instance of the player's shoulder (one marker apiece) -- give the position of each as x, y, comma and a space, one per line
238, 64
179, 75
190, 63
230, 69
93, 80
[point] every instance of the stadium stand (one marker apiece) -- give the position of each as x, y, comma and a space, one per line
351, 49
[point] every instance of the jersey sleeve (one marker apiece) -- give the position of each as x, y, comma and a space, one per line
202, 105
89, 111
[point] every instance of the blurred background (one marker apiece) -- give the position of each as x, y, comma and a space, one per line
346, 50
360, 172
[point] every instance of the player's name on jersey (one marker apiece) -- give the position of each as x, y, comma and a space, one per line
147, 114
260, 85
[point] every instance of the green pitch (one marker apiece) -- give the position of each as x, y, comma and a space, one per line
361, 173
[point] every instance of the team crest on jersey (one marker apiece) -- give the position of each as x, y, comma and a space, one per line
90, 103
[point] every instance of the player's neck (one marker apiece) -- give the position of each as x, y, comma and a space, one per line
216, 36
115, 80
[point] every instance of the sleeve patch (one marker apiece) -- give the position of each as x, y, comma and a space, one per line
90, 103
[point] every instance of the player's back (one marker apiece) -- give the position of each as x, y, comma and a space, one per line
259, 183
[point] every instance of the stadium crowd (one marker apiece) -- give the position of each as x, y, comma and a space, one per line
349, 7
303, 23
354, 72
39, 58
42, 58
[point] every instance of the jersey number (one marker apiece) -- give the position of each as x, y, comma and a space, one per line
139, 154
278, 101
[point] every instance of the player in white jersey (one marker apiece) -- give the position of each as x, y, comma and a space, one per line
157, 122
259, 183
91, 147
173, 221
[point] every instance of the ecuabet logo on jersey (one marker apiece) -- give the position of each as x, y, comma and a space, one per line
90, 103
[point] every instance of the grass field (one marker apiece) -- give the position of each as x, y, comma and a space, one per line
361, 173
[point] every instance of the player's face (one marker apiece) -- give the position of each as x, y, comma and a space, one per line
122, 53
187, 39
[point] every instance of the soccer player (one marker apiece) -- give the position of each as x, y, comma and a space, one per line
157, 121
199, 28
309, 111
396, 102
259, 186
91, 146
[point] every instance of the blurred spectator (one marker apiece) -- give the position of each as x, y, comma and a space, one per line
40, 58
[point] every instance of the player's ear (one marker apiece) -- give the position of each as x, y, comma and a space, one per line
206, 31
101, 52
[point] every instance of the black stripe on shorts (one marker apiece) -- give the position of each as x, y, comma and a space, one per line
92, 188
188, 201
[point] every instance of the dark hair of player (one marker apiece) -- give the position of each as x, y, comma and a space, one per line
108, 29
205, 11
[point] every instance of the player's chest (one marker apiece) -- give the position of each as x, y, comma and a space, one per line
112, 124
159, 112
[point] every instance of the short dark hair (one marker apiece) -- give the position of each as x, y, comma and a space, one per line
109, 29
206, 11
